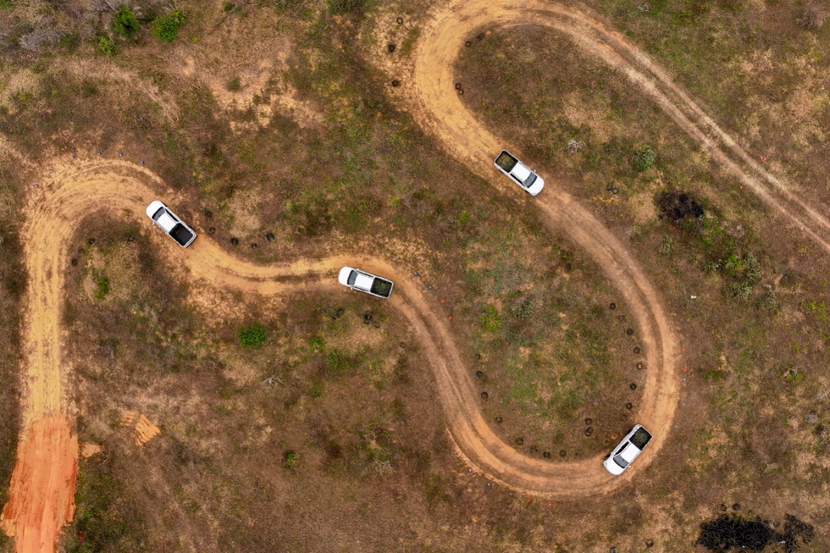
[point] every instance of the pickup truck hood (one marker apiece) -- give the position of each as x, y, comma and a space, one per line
166, 222
521, 171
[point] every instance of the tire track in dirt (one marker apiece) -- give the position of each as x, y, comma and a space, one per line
43, 482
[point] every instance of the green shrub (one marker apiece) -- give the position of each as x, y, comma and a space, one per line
106, 45
102, 287
166, 27
125, 23
643, 159
490, 320
288, 459
252, 335
6, 3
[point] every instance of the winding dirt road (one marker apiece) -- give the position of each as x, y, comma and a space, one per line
43, 481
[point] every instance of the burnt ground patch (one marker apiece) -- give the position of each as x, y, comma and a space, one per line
728, 532
677, 206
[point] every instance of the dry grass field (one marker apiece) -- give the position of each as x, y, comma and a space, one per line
289, 131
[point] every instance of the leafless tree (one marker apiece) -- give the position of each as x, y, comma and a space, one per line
813, 16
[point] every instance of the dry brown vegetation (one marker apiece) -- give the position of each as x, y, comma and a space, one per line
329, 437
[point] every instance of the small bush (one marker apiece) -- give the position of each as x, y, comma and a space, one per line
642, 160
769, 302
6, 3
102, 287
288, 459
125, 23
106, 45
666, 246
338, 7
252, 335
234, 85
166, 27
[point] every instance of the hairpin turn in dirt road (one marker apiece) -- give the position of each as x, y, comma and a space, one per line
43, 482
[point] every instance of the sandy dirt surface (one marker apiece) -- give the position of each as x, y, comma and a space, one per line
143, 430
43, 481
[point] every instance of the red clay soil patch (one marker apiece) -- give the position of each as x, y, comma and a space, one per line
42, 494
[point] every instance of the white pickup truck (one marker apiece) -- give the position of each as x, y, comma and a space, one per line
519, 172
365, 282
170, 223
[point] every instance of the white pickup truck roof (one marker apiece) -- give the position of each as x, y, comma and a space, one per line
166, 222
521, 171
364, 281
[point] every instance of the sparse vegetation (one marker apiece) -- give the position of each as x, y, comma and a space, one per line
106, 45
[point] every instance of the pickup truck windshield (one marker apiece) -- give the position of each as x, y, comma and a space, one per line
158, 213
352, 278
181, 235
530, 180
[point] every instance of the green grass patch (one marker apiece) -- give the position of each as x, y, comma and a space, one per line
102, 287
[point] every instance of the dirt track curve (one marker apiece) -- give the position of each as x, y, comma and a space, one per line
43, 481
